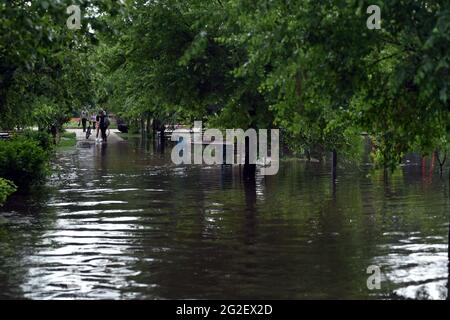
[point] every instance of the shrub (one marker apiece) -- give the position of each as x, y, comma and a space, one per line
23, 161
6, 188
43, 139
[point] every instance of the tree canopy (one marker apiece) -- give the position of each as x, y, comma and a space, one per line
311, 68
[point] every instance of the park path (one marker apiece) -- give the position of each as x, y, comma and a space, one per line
81, 136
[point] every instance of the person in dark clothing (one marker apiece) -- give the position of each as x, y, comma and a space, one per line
103, 125
84, 118
97, 121
54, 132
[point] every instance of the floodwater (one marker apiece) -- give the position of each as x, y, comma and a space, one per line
122, 222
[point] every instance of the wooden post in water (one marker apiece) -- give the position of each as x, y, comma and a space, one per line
224, 154
249, 168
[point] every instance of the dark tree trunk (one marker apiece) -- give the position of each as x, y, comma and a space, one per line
142, 125
161, 140
7, 73
149, 127
449, 178
162, 131
249, 168
441, 162
155, 126
333, 165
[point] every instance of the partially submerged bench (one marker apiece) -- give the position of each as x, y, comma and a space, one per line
5, 135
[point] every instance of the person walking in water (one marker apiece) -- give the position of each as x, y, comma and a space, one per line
97, 128
84, 118
103, 124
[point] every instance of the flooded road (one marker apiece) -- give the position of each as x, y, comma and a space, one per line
120, 221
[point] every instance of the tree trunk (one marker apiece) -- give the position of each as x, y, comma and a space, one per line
142, 125
333, 165
162, 130
441, 162
158, 134
149, 124
155, 126
249, 168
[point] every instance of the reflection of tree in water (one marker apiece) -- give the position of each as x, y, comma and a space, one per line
207, 233
103, 157
250, 210
448, 265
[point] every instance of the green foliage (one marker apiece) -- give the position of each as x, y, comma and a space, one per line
239, 64
170, 64
44, 70
42, 138
310, 68
6, 188
23, 161
402, 101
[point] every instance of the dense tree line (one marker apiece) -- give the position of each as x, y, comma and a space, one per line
45, 75
309, 67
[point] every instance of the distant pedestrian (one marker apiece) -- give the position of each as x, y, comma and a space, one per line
54, 132
84, 118
97, 121
103, 124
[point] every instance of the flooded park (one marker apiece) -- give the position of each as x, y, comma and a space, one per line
224, 150
121, 221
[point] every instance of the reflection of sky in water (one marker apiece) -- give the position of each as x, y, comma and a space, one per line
417, 269
87, 256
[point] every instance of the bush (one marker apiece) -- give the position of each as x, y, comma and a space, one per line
43, 138
23, 161
6, 188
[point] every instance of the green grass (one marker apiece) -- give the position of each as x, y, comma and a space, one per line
74, 125
71, 125
67, 141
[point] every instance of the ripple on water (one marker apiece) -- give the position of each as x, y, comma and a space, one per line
85, 203
126, 223
416, 270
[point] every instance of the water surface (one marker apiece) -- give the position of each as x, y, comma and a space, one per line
121, 222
